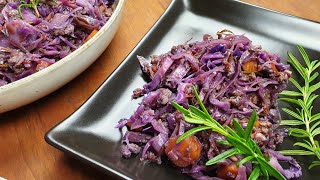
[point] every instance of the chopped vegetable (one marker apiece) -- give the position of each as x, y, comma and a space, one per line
185, 153
42, 65
250, 66
228, 172
94, 32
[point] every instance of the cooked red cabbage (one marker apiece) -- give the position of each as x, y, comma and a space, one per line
233, 78
30, 43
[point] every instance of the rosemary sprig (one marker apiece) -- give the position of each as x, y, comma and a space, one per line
303, 116
239, 139
33, 4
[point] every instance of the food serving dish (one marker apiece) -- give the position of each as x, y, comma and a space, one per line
40, 84
89, 133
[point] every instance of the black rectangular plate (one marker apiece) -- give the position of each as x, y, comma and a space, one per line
89, 133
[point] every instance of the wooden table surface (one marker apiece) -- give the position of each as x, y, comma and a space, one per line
23, 152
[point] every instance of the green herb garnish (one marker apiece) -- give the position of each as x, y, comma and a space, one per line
33, 4
239, 139
307, 123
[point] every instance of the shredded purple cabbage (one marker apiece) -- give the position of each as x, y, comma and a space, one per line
233, 78
33, 43
294, 170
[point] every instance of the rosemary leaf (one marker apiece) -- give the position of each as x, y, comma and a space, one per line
297, 152
314, 164
315, 132
314, 76
311, 99
291, 122
292, 113
315, 117
222, 156
265, 165
314, 126
180, 108
238, 128
250, 125
290, 100
226, 143
197, 111
290, 93
304, 145
314, 88
245, 160
232, 132
315, 66
255, 174
294, 61
192, 131
296, 84
298, 132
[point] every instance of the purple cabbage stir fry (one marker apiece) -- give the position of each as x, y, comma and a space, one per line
37, 33
233, 78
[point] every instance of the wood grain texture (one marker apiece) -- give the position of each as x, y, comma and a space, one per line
23, 152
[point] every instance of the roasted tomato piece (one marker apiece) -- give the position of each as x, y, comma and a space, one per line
93, 32
42, 64
185, 153
250, 66
228, 172
275, 70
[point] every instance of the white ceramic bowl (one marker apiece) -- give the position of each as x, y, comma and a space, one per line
42, 83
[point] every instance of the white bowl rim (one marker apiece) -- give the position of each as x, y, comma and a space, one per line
61, 62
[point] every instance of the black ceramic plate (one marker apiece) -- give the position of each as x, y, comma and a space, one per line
89, 133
